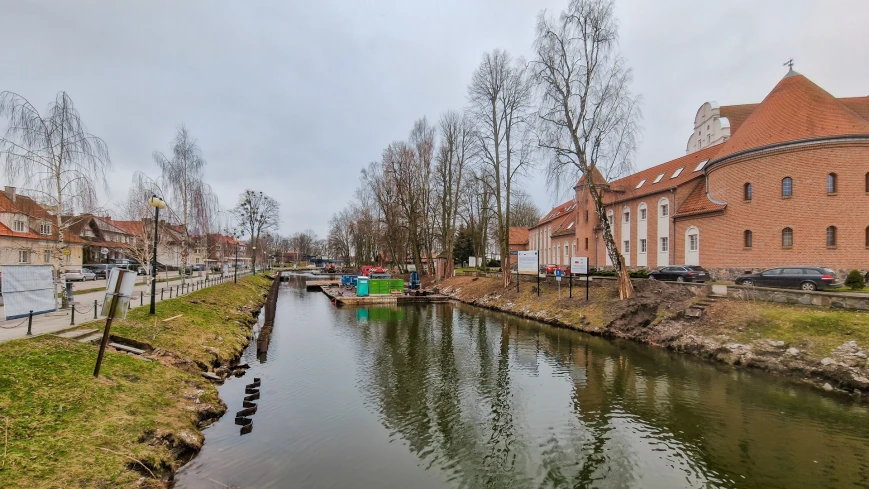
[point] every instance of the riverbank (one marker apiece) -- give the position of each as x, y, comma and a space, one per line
818, 346
141, 420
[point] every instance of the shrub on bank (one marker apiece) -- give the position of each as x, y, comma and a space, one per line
855, 280
603, 272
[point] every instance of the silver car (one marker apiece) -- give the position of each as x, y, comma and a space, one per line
79, 275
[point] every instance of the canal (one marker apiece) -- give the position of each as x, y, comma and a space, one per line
450, 396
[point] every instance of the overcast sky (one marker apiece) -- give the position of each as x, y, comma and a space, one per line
293, 98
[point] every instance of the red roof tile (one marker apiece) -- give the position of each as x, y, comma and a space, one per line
518, 235
566, 225
626, 188
795, 109
556, 212
859, 105
5, 231
698, 202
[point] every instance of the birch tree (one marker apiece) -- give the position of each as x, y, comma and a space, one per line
588, 115
59, 162
257, 213
500, 94
182, 176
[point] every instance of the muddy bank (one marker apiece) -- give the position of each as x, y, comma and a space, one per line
727, 330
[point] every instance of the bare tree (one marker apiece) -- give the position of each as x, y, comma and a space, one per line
589, 117
136, 208
523, 212
183, 179
384, 191
500, 93
457, 145
55, 157
256, 213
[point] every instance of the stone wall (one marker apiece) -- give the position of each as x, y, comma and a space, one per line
786, 296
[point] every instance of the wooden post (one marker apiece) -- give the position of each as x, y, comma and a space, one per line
109, 319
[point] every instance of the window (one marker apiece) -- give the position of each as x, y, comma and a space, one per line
23, 256
692, 242
627, 246
867, 234
570, 225
709, 138
787, 187
19, 226
46, 256
665, 210
831, 236
574, 249
746, 238
665, 244
627, 216
641, 183
746, 191
586, 215
700, 165
831, 183
677, 172
643, 246
787, 237
867, 182
642, 213
45, 228
659, 177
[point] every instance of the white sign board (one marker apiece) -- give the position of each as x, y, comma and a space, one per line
579, 264
528, 262
28, 288
128, 281
472, 261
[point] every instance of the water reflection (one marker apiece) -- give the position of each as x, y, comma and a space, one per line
451, 396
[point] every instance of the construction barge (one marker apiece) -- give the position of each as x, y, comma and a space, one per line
347, 297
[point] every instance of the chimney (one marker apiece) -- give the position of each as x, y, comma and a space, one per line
10, 192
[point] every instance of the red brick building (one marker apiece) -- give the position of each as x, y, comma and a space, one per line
554, 236
782, 182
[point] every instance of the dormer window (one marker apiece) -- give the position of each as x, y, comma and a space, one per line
700, 165
641, 183
658, 178
45, 228
677, 172
19, 226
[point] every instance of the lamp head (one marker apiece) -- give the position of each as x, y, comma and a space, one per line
157, 202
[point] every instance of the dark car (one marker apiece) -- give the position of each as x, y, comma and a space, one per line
100, 269
806, 278
681, 273
198, 268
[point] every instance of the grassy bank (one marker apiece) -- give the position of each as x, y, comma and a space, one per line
68, 429
818, 345
140, 420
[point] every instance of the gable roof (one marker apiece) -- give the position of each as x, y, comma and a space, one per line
795, 109
556, 212
566, 224
698, 202
133, 228
518, 235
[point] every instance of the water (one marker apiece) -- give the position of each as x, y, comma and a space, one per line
449, 396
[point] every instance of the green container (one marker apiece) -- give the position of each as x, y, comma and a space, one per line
362, 288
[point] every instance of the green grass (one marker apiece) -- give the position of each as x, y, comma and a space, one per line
213, 328
60, 418
817, 331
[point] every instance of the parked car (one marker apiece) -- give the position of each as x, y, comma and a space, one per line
549, 269
681, 273
100, 269
79, 275
198, 268
805, 278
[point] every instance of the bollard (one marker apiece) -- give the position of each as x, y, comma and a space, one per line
141, 298
161, 293
170, 292
29, 323
72, 315
95, 308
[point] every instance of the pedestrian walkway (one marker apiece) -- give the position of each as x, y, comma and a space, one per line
89, 305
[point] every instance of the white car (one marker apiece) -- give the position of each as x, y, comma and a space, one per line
80, 275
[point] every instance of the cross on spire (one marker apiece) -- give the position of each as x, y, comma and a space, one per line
790, 64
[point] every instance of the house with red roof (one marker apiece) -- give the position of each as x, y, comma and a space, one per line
781, 182
29, 234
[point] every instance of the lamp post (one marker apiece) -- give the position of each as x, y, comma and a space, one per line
254, 260
235, 269
157, 203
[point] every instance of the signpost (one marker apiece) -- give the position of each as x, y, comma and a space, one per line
558, 280
121, 283
528, 262
579, 265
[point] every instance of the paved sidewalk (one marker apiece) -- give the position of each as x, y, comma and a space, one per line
84, 309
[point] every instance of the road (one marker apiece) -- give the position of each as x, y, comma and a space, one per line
84, 308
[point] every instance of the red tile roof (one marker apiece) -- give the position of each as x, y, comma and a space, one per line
556, 212
518, 235
5, 231
795, 109
697, 202
860, 105
566, 225
133, 228
736, 114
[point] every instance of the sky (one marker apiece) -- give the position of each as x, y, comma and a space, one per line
294, 98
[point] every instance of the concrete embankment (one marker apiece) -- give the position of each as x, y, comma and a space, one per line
141, 419
818, 346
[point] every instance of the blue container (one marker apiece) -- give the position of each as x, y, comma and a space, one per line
362, 286
348, 280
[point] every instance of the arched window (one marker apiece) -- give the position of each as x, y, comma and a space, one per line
787, 237
746, 238
831, 183
787, 187
746, 191
831, 236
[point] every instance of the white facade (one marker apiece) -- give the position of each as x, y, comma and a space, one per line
642, 235
664, 232
626, 235
709, 128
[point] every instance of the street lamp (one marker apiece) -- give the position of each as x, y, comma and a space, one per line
157, 203
254, 261
235, 269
